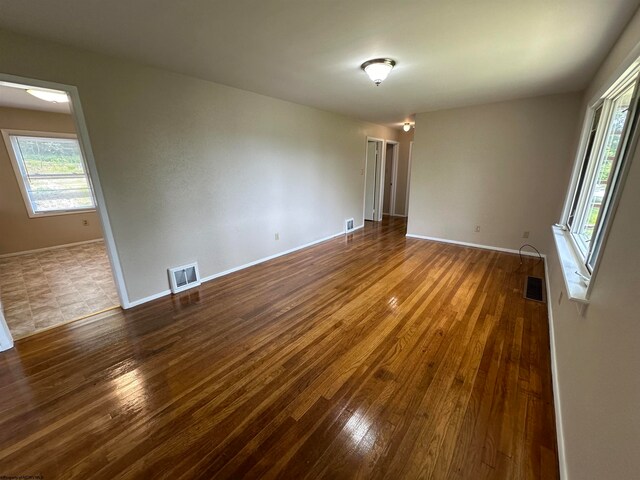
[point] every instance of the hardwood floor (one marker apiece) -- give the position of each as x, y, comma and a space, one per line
368, 356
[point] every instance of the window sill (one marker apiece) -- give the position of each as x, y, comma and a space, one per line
577, 290
54, 213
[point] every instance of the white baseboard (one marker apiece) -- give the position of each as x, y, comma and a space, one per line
562, 462
397, 215
242, 267
140, 301
474, 245
55, 247
276, 255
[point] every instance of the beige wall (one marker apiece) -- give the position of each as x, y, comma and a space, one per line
405, 139
19, 232
193, 170
598, 354
500, 166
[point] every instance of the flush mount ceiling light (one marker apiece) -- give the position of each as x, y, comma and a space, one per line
378, 69
406, 127
49, 95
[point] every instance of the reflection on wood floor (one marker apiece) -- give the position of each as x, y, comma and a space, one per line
371, 356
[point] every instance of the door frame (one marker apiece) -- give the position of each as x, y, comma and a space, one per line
394, 175
406, 204
6, 340
378, 215
85, 146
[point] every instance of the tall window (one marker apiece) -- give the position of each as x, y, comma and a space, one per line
51, 172
605, 154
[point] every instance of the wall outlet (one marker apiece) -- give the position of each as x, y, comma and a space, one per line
525, 235
277, 236
477, 229
85, 223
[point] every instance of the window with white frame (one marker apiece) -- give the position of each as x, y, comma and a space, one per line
51, 172
606, 150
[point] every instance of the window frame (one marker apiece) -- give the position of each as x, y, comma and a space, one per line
18, 171
587, 263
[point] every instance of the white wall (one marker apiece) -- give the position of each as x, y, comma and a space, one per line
598, 354
193, 170
501, 166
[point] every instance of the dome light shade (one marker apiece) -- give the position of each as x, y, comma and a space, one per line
406, 127
49, 95
378, 69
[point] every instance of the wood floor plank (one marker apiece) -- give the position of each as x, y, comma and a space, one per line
368, 356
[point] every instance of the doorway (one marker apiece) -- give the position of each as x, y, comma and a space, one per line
372, 179
390, 177
59, 262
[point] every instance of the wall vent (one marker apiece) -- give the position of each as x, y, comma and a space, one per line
349, 225
184, 277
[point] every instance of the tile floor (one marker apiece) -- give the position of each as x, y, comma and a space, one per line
42, 289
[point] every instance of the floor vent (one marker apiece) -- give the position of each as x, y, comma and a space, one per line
533, 289
349, 225
184, 277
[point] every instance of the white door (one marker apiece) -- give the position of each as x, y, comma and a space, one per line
370, 181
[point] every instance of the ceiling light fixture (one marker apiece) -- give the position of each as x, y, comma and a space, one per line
49, 95
406, 127
378, 69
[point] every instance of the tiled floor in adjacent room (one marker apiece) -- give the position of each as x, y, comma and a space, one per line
42, 289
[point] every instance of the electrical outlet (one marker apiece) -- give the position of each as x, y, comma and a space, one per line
277, 236
525, 235
85, 223
477, 228
362, 171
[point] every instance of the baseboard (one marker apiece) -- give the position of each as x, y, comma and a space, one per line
554, 379
397, 215
207, 278
55, 247
140, 301
474, 245
276, 255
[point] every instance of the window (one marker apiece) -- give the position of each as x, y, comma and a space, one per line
600, 174
51, 172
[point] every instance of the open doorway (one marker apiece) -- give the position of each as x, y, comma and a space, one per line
390, 177
57, 260
373, 179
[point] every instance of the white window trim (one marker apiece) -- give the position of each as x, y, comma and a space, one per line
6, 135
579, 281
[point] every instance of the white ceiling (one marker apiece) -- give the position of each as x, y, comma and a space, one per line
16, 97
449, 52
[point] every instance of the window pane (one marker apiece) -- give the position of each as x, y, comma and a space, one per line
620, 110
54, 174
585, 164
63, 193
51, 156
